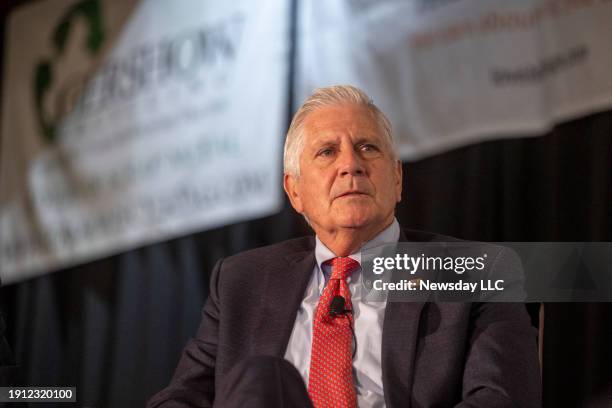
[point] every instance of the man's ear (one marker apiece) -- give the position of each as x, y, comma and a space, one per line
293, 192
398, 180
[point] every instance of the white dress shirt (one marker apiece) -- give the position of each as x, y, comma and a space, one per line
368, 317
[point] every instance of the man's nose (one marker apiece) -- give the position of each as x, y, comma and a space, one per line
351, 164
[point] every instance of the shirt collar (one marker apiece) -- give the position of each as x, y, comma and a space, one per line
387, 236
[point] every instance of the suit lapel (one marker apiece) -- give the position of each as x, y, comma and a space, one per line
399, 342
284, 290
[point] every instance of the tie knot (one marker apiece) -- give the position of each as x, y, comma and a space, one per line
342, 267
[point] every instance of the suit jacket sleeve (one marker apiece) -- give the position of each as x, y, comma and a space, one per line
193, 383
501, 368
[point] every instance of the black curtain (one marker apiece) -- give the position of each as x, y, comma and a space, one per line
557, 187
114, 328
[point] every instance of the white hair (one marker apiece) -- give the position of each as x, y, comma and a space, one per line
323, 97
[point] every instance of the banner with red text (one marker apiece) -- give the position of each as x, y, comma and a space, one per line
454, 72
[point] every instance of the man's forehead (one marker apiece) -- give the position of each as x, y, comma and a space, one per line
333, 122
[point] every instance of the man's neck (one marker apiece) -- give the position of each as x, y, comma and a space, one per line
346, 241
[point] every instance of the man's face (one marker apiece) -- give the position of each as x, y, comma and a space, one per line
348, 177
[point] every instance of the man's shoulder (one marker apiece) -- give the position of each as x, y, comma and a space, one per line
409, 235
288, 248
425, 236
498, 251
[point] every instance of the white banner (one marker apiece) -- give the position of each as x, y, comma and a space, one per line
127, 122
453, 72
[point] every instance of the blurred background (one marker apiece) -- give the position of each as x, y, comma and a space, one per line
142, 141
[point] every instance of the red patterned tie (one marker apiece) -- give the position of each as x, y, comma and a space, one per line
331, 368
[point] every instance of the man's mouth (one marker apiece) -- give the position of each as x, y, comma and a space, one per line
352, 194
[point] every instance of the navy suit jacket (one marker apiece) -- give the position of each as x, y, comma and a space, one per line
433, 354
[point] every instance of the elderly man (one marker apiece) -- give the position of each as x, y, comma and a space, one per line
281, 322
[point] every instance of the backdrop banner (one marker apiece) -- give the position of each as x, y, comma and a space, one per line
454, 72
126, 123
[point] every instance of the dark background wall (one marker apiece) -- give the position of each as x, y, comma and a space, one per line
115, 327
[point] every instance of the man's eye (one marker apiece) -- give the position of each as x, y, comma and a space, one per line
368, 148
326, 152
